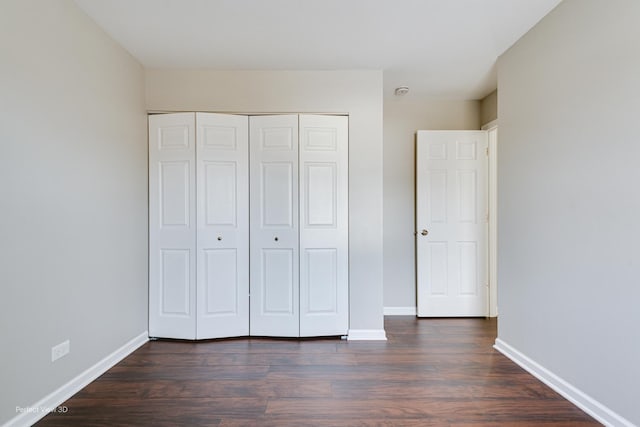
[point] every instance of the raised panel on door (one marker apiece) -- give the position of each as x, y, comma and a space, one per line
277, 279
451, 208
222, 225
174, 282
276, 195
172, 228
324, 259
274, 266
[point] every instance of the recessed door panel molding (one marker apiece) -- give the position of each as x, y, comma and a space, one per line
221, 282
222, 236
277, 282
437, 266
468, 259
452, 223
220, 188
466, 149
437, 196
217, 136
467, 196
174, 282
278, 138
172, 226
174, 137
435, 150
321, 188
322, 279
320, 138
276, 194
174, 182
324, 264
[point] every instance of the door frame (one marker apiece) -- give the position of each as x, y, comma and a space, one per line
492, 129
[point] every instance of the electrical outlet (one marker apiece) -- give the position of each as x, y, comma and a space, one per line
60, 350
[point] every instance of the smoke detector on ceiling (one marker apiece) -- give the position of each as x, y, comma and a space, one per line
402, 90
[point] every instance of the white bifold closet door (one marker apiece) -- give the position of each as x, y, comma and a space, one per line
198, 226
172, 226
273, 147
222, 237
299, 225
324, 235
248, 225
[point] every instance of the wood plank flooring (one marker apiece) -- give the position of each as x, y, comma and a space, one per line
430, 372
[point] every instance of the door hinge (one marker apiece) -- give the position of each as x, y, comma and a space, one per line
487, 151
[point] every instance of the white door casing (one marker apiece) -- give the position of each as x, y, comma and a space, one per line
222, 225
492, 133
274, 266
324, 239
172, 226
451, 220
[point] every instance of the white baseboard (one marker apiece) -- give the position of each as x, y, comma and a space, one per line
399, 311
367, 335
583, 401
38, 410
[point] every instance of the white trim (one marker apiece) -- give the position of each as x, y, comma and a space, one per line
367, 335
488, 126
492, 135
583, 401
400, 311
39, 409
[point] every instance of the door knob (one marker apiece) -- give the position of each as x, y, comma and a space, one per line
276, 239
424, 232
219, 238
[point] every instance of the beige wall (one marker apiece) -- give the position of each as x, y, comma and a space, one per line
358, 93
489, 108
73, 198
403, 116
568, 229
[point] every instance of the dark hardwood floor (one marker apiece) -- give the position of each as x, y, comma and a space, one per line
430, 372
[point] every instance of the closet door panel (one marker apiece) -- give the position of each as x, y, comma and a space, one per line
274, 226
172, 226
324, 260
220, 287
277, 282
220, 180
222, 225
276, 194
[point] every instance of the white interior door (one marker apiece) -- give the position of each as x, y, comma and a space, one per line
274, 287
222, 225
451, 220
172, 226
324, 239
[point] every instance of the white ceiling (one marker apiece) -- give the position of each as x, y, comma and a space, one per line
439, 48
